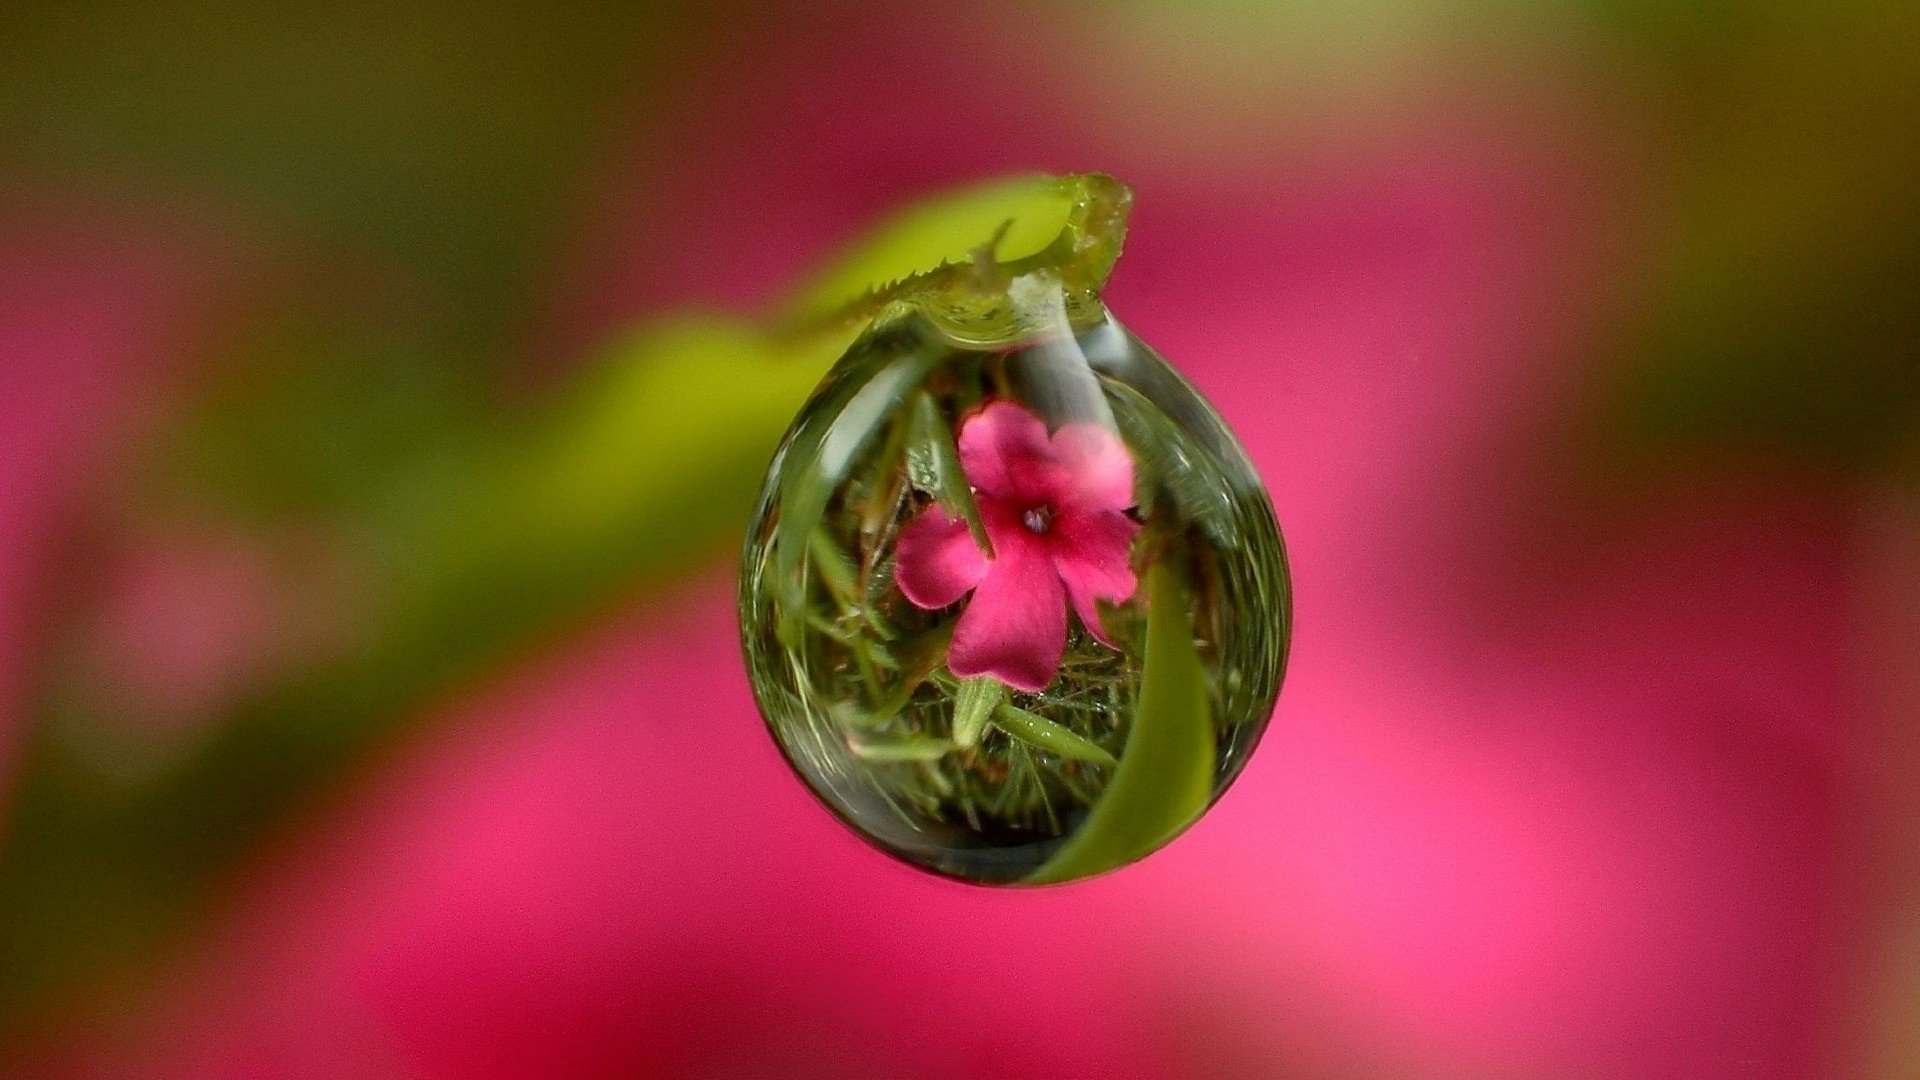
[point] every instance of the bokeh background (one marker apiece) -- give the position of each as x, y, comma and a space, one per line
382, 393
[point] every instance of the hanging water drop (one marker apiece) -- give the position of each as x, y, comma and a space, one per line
1014, 602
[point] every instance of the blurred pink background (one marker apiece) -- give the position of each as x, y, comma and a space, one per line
1595, 755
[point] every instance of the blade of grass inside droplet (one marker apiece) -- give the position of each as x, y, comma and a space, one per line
1074, 787
1165, 776
920, 749
879, 581
933, 464
972, 704
830, 628
885, 485
1195, 485
942, 787
924, 655
970, 811
1030, 773
1043, 734
818, 456
869, 673
836, 569
893, 804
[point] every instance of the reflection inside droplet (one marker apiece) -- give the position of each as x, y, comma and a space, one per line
1017, 615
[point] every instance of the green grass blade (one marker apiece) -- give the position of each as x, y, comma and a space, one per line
921, 749
1193, 481
836, 569
972, 705
1165, 777
933, 463
1043, 734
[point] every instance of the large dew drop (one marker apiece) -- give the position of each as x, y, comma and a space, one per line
1014, 603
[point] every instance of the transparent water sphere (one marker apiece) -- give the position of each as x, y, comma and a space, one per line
1016, 611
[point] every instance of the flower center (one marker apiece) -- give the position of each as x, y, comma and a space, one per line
1037, 519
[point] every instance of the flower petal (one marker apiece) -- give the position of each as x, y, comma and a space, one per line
1093, 468
1015, 627
1092, 553
1005, 452
936, 560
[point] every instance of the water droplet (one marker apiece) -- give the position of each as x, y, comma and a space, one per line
1015, 611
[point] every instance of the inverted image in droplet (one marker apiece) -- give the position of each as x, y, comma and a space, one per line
1015, 612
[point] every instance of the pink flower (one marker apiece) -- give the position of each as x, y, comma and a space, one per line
1054, 507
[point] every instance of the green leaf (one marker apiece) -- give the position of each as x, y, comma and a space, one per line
933, 464
1015, 221
1164, 781
1063, 230
1043, 734
973, 703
